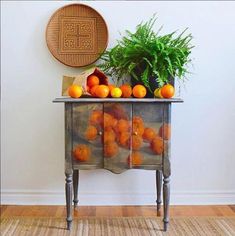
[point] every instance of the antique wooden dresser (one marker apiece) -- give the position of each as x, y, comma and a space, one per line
117, 135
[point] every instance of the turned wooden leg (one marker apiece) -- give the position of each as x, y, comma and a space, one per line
75, 187
166, 200
68, 195
159, 188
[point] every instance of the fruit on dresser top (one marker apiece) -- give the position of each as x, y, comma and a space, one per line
167, 91
139, 91
75, 91
102, 91
116, 92
126, 90
96, 88
92, 80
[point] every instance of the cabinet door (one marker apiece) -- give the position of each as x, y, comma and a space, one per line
147, 144
117, 136
87, 130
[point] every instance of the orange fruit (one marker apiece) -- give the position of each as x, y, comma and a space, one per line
102, 91
165, 131
138, 128
107, 120
110, 149
157, 145
126, 90
82, 152
135, 158
92, 90
149, 134
92, 80
138, 119
111, 86
96, 117
91, 133
116, 93
75, 91
136, 142
167, 91
124, 139
122, 126
108, 128
109, 135
114, 122
139, 91
137, 125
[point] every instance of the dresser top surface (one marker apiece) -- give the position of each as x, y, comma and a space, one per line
118, 100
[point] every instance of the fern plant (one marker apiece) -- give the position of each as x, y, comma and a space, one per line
149, 57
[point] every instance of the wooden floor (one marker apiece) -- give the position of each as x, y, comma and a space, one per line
60, 211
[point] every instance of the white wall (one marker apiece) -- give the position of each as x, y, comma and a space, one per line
203, 148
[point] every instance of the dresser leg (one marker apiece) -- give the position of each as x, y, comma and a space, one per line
166, 200
159, 188
68, 195
75, 187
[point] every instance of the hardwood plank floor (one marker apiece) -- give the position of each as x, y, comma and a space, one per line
115, 211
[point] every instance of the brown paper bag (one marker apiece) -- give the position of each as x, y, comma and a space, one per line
81, 80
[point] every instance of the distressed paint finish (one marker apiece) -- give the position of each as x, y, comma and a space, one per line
166, 201
166, 167
167, 149
118, 100
80, 122
68, 195
68, 138
75, 186
152, 116
155, 114
117, 163
68, 163
159, 188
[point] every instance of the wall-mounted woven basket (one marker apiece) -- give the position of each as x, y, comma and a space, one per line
76, 35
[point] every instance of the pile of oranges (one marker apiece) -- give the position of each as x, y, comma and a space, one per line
115, 130
110, 90
96, 89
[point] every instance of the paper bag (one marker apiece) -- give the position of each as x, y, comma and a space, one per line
81, 80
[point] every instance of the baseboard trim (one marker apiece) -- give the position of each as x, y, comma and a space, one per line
33, 197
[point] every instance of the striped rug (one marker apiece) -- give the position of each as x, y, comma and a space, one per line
118, 226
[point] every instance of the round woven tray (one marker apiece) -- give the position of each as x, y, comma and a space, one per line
76, 35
